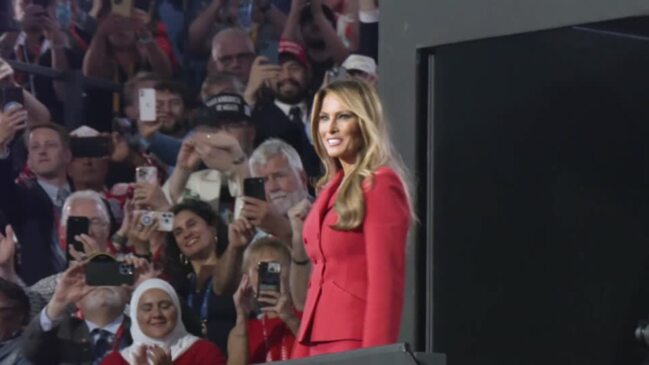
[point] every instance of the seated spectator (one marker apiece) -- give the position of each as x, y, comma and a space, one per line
57, 337
267, 320
285, 115
222, 139
286, 185
14, 314
159, 336
33, 207
171, 108
193, 265
314, 26
233, 52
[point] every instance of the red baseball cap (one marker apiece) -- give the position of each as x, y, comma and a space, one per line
293, 50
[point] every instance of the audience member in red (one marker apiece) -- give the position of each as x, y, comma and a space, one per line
159, 335
355, 234
267, 320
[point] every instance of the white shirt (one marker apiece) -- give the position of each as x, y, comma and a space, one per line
47, 324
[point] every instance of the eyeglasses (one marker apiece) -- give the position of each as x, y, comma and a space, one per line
98, 223
239, 57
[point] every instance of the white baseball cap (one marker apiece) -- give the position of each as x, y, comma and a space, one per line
84, 131
360, 63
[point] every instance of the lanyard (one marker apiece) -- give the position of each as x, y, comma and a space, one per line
118, 337
283, 347
206, 297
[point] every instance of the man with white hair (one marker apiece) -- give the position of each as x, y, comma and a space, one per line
285, 182
233, 52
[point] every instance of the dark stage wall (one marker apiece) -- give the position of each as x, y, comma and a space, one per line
541, 211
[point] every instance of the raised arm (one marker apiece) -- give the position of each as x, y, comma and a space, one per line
96, 61
200, 28
292, 27
160, 63
300, 264
329, 34
227, 273
58, 44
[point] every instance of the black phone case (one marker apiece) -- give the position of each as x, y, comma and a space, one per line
99, 146
109, 273
254, 188
76, 226
12, 95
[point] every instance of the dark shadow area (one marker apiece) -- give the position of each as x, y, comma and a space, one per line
541, 201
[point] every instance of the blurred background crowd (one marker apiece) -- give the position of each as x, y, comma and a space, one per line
199, 172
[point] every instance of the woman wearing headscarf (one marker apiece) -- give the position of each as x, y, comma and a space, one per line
159, 336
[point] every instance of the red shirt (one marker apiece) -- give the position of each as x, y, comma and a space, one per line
202, 352
269, 339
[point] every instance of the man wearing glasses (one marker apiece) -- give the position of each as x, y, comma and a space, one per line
233, 52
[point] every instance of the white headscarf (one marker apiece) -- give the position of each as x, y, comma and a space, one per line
178, 341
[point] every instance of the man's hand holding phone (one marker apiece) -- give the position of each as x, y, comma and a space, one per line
262, 74
70, 288
11, 122
219, 150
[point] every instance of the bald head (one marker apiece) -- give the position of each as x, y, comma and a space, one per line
233, 52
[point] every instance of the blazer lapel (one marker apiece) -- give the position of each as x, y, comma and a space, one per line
325, 200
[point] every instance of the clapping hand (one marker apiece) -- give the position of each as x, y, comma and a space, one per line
188, 158
243, 298
296, 215
218, 150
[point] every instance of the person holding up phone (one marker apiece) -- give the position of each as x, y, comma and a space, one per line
355, 234
267, 319
102, 329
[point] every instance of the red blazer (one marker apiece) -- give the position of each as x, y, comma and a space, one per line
356, 287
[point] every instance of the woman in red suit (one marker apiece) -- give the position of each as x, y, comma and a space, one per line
355, 233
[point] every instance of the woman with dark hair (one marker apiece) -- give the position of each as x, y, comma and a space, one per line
195, 265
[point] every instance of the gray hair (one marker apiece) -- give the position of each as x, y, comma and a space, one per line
88, 195
271, 148
229, 33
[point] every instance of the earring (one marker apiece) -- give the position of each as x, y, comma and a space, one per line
183, 259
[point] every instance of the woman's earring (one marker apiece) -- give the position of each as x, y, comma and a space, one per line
183, 259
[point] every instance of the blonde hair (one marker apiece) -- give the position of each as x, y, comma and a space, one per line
376, 149
262, 246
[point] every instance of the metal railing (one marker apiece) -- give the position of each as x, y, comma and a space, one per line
75, 85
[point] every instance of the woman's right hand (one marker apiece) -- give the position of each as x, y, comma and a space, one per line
188, 159
243, 297
139, 234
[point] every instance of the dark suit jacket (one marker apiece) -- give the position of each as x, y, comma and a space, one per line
356, 287
31, 213
271, 122
67, 343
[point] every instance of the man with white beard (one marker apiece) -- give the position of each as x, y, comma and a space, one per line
56, 337
285, 182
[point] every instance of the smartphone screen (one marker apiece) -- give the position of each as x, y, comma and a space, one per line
147, 105
76, 226
146, 174
99, 146
254, 188
11, 96
269, 279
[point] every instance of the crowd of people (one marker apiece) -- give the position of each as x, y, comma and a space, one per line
241, 193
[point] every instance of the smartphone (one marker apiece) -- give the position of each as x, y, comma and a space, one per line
147, 174
147, 105
269, 278
104, 270
76, 226
99, 146
254, 188
122, 7
11, 97
165, 220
